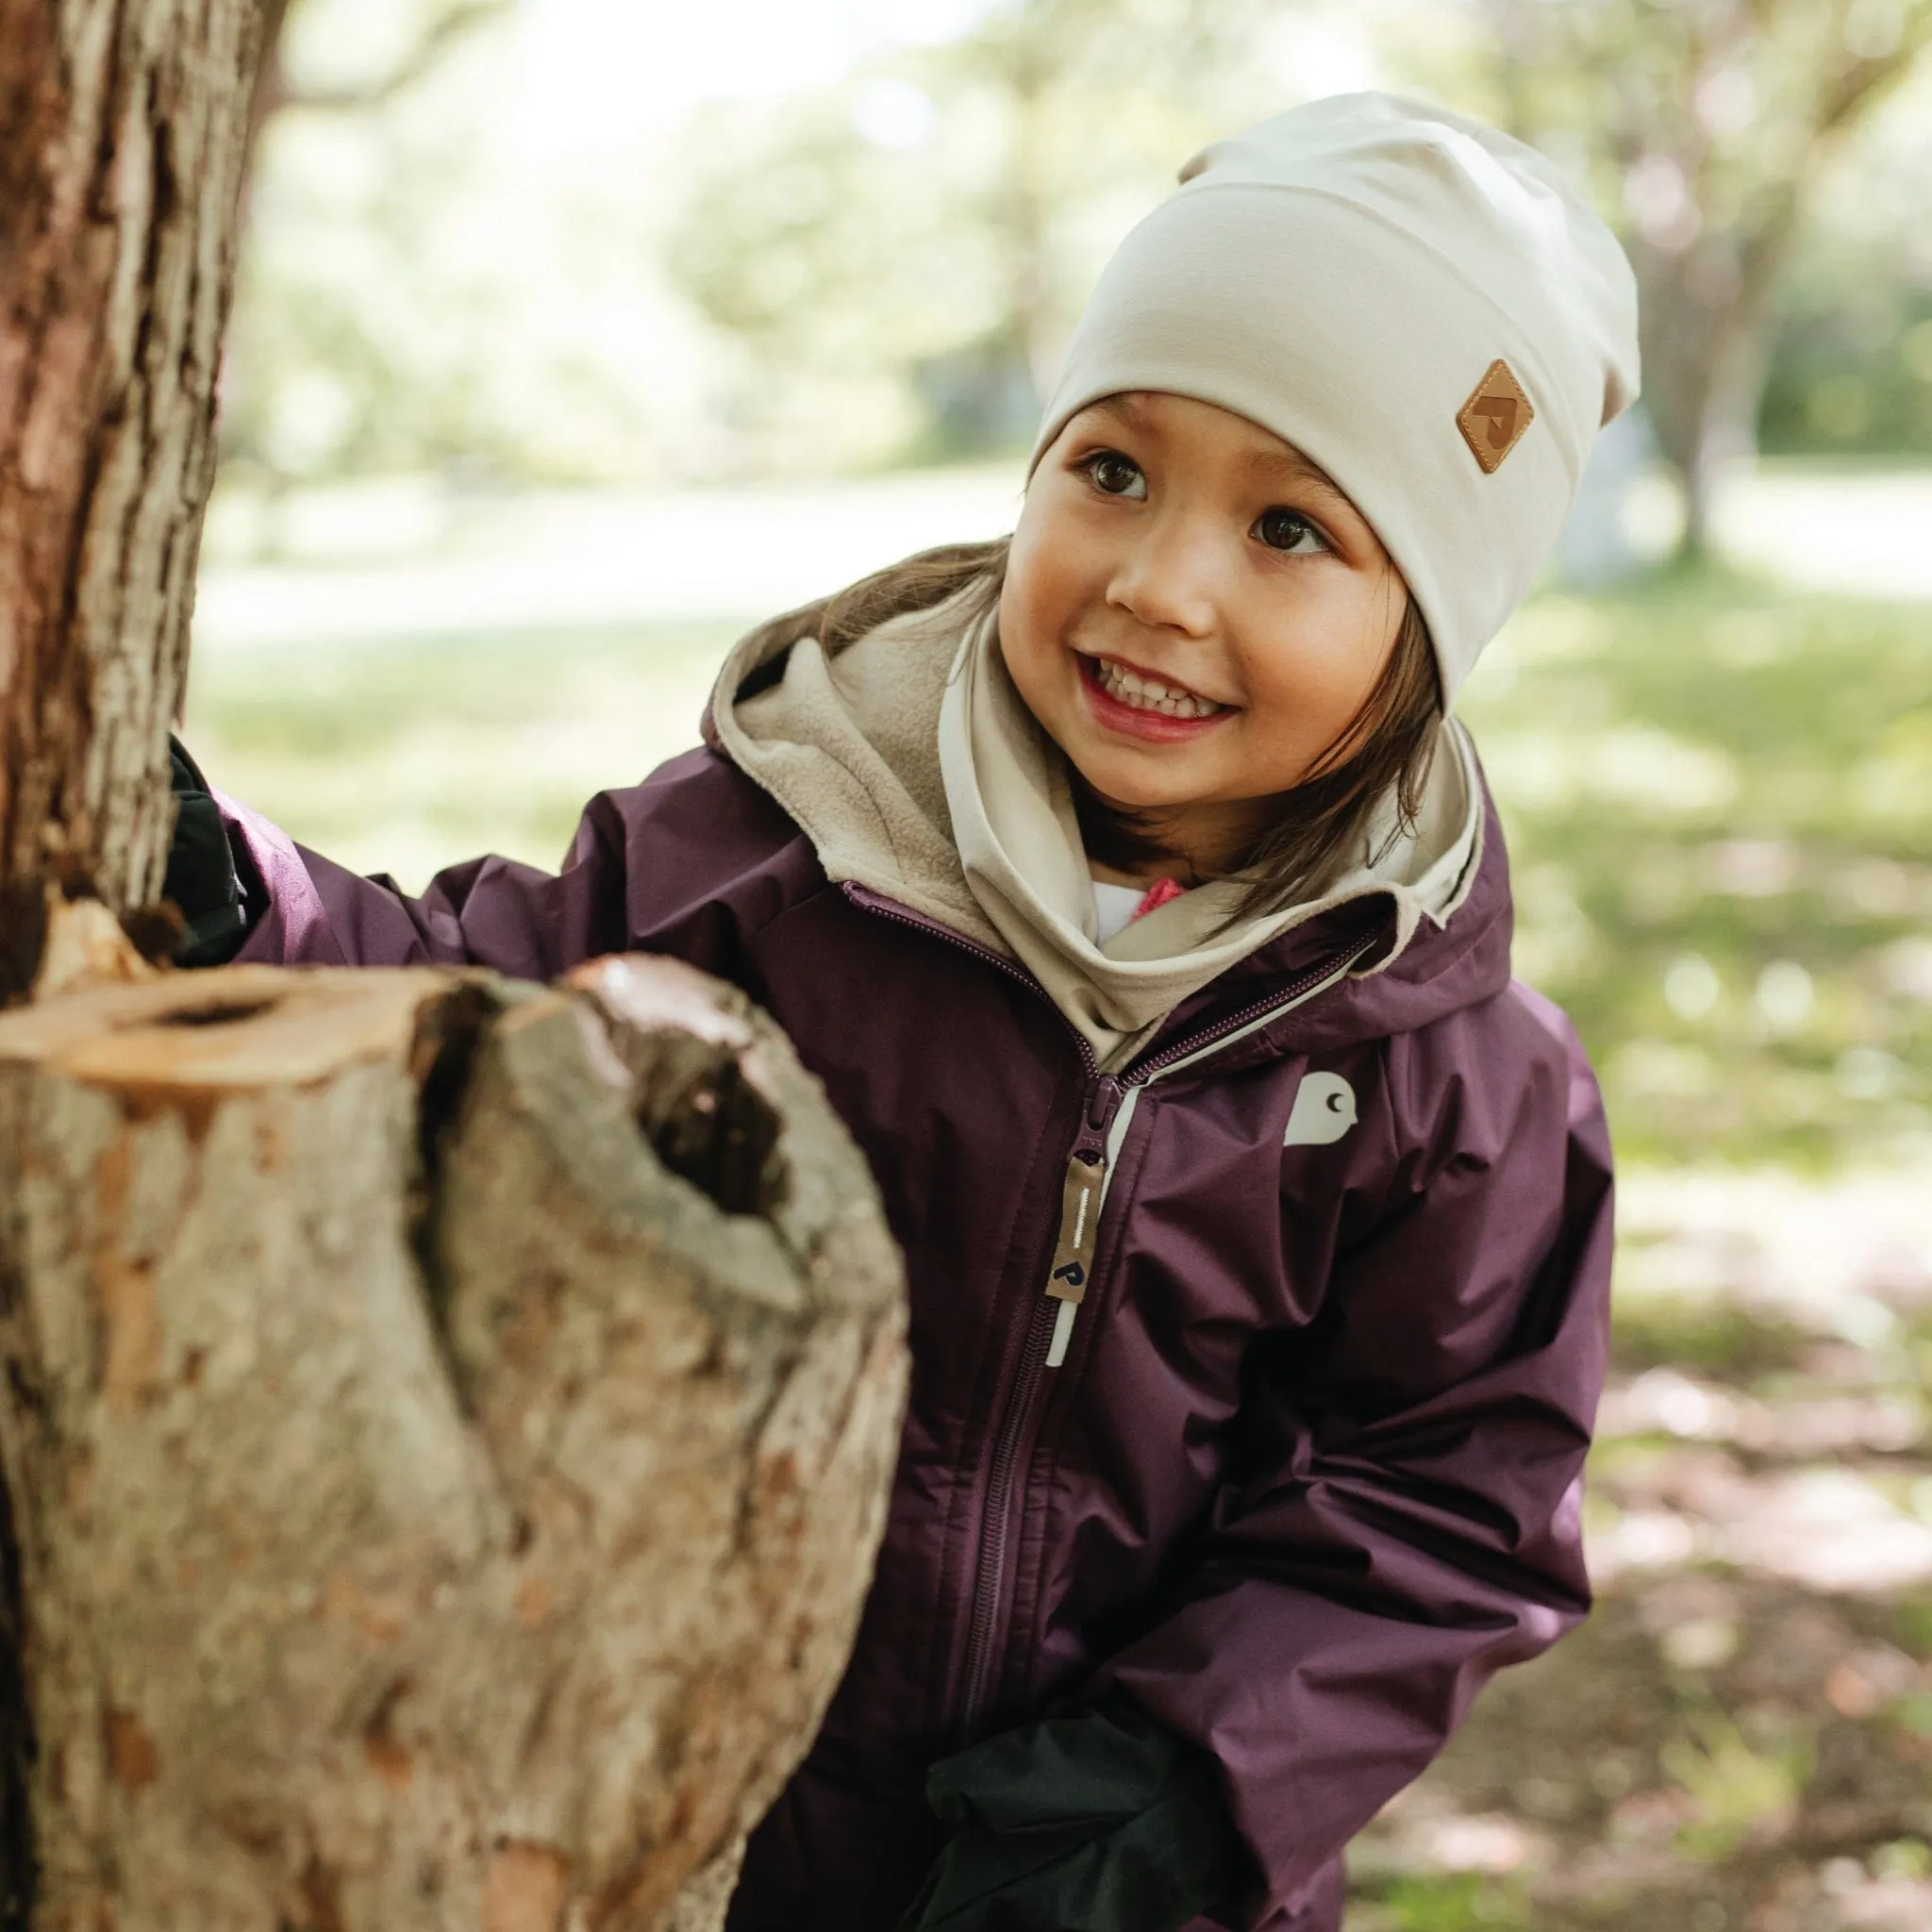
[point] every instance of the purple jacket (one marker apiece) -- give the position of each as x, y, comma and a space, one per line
1310, 1470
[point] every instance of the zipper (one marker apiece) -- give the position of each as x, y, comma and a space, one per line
1107, 1107
1044, 1347
1083, 1194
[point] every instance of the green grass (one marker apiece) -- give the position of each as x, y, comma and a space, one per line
1451, 1902
1719, 802
1705, 1337
405, 755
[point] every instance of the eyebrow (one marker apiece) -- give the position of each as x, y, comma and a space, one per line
1292, 470
1126, 407
1286, 468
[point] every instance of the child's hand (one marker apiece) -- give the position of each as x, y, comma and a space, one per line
204, 881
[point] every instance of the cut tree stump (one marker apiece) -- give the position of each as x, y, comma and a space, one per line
449, 1429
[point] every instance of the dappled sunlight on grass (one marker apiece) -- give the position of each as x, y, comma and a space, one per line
1740, 1738
404, 756
1719, 802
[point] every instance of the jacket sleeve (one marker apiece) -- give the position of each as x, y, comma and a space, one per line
517, 919
1403, 1516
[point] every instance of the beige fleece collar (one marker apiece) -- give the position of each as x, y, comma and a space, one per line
1018, 845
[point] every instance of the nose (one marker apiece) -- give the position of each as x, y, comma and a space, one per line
1168, 576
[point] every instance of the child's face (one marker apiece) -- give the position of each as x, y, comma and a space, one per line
1194, 612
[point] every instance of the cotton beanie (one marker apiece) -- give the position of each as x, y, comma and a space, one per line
1418, 303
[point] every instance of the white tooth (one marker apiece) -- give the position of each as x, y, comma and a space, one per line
1129, 681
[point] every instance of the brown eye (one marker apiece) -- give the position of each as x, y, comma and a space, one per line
1113, 473
1288, 529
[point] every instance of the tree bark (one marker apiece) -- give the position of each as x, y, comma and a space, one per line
448, 1432
122, 125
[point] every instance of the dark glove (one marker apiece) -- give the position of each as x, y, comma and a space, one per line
1100, 1823
217, 896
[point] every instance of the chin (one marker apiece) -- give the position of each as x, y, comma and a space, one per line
1131, 787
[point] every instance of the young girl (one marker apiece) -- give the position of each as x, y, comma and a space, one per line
1150, 928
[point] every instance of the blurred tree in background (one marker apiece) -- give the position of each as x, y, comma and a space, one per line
1852, 369
1710, 121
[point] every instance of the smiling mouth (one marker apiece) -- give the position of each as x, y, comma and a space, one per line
1141, 691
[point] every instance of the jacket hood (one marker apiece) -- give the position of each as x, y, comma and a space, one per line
911, 763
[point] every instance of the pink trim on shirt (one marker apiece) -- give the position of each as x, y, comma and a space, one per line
1155, 896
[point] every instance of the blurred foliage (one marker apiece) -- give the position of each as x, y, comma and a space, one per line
347, 351
1852, 373
1720, 810
902, 255
411, 296
886, 268
1737, 1789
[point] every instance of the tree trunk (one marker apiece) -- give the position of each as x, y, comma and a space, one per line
444, 1426
122, 130
448, 1430
1703, 367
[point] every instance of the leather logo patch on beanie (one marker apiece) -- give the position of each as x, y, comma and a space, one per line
1495, 418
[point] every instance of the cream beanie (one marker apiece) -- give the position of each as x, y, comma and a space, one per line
1419, 304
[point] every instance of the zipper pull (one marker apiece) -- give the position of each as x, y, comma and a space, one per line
1080, 1202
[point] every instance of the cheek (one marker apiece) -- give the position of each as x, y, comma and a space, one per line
1041, 594
1315, 688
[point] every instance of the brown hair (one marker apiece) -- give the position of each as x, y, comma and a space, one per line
1385, 751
